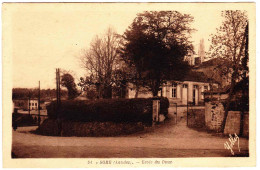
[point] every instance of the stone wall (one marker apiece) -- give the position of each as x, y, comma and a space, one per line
214, 115
233, 123
246, 125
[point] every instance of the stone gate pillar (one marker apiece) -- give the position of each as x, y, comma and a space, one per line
156, 109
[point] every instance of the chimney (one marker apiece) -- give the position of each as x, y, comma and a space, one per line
201, 51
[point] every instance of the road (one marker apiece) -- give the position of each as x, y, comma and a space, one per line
166, 140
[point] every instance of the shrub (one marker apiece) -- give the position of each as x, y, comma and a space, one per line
49, 127
164, 105
104, 110
23, 120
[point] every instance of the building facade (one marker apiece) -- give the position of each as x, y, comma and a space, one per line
179, 92
25, 104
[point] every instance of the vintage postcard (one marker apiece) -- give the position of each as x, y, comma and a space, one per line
129, 85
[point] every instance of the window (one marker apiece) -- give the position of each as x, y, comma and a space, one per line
195, 86
205, 88
173, 92
35, 104
32, 104
185, 86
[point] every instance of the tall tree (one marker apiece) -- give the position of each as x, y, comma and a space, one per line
229, 43
155, 44
101, 59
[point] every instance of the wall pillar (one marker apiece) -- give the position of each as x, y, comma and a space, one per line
156, 108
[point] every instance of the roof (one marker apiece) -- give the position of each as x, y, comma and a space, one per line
211, 62
19, 99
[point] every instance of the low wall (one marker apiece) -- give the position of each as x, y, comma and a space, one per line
233, 122
232, 125
246, 125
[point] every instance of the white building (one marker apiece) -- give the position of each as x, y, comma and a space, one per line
190, 90
25, 104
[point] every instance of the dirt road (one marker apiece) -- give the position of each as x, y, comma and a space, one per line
166, 140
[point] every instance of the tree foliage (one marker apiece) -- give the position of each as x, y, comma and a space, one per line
231, 43
67, 80
155, 44
46, 94
100, 60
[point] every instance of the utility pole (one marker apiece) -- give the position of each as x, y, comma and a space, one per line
58, 86
29, 103
58, 99
39, 106
57, 96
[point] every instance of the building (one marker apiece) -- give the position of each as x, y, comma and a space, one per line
191, 88
26, 103
211, 70
188, 90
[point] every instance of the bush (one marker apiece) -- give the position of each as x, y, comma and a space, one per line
49, 127
164, 105
105, 110
23, 120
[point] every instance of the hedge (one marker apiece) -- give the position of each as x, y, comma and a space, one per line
104, 110
68, 128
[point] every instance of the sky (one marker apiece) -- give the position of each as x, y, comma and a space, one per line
48, 36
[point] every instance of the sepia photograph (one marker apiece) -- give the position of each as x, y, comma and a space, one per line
115, 81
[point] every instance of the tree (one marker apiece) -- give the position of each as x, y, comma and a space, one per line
229, 43
100, 60
67, 81
155, 44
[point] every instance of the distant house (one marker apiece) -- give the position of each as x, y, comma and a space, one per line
25, 104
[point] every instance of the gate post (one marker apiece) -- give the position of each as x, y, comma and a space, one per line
187, 112
156, 108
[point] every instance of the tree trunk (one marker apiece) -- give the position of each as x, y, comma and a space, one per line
156, 88
107, 94
137, 90
230, 96
243, 103
138, 77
